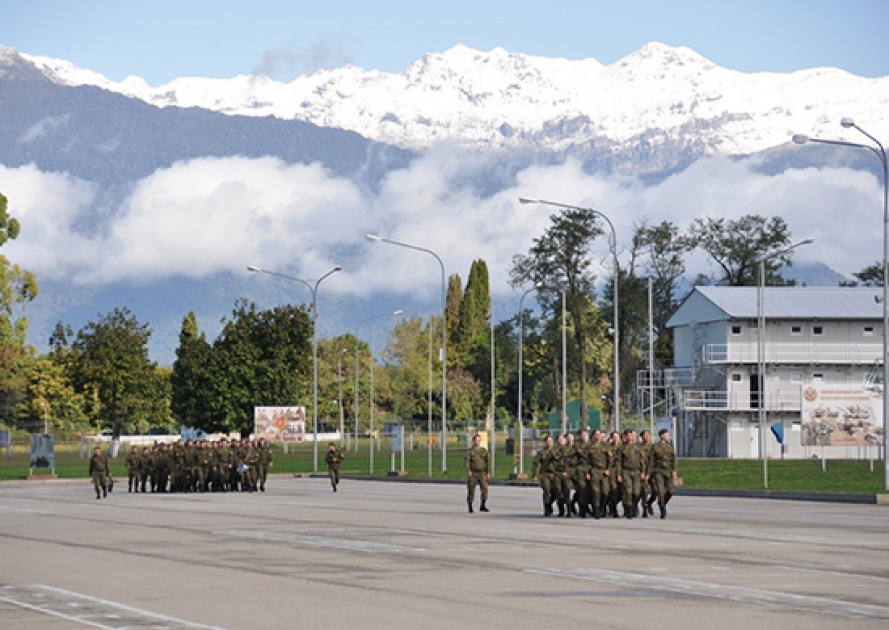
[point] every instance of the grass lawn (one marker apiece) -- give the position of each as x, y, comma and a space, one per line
850, 476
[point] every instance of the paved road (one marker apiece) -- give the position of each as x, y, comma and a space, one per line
393, 555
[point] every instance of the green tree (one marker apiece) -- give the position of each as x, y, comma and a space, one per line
51, 401
17, 287
666, 248
870, 276
560, 260
735, 246
453, 303
260, 358
193, 396
109, 358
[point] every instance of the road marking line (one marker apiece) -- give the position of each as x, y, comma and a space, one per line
50, 596
730, 592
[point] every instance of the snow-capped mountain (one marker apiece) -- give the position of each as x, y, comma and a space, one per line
496, 100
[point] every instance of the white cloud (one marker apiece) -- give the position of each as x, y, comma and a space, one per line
206, 216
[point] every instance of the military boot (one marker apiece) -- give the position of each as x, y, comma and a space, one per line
663, 511
561, 509
470, 507
484, 508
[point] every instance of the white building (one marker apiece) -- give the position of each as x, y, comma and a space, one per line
814, 336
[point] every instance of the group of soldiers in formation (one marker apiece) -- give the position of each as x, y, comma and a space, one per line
605, 472
199, 466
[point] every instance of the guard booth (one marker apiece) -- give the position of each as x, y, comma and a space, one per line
573, 408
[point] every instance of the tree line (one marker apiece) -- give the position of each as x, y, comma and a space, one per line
101, 378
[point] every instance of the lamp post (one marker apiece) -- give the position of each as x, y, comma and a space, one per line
357, 364
314, 290
880, 152
339, 375
373, 238
761, 351
520, 408
613, 246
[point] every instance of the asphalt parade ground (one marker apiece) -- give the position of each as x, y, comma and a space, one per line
380, 554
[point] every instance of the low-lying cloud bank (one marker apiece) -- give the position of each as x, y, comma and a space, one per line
206, 216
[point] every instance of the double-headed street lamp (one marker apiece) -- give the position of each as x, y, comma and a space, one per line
880, 152
357, 364
314, 290
373, 238
761, 350
613, 246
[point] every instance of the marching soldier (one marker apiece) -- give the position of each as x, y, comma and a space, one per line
662, 464
562, 486
333, 458
645, 484
144, 468
478, 472
544, 466
580, 471
614, 489
100, 471
132, 465
264, 453
600, 459
630, 468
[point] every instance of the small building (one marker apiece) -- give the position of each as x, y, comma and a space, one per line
814, 338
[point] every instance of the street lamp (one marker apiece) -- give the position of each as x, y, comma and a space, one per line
520, 409
761, 348
357, 364
613, 246
373, 238
880, 152
314, 290
339, 376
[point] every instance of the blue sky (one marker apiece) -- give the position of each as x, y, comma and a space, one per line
160, 40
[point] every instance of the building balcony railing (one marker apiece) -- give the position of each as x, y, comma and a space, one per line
793, 353
716, 400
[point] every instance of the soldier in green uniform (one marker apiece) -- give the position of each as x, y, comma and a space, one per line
100, 470
579, 466
645, 485
264, 452
614, 489
600, 460
132, 466
562, 488
630, 468
544, 467
144, 467
478, 472
334, 458
662, 466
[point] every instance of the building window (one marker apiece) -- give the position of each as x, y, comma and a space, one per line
796, 377
817, 330
796, 330
817, 377
868, 331
737, 377
736, 330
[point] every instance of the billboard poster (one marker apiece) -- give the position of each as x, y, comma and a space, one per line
841, 415
42, 451
280, 423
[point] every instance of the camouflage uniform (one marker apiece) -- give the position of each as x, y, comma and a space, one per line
478, 471
562, 483
100, 471
601, 459
662, 465
333, 458
544, 465
630, 468
132, 465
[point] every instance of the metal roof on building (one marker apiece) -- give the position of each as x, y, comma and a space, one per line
805, 303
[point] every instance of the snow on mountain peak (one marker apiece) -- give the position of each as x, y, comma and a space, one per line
498, 99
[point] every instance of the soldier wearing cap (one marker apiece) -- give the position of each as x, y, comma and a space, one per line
100, 471
478, 472
544, 468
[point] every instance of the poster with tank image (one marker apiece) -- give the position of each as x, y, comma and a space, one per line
841, 415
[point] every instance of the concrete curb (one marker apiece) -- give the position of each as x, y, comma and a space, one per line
780, 495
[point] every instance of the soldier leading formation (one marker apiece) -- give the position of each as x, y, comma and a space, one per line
604, 473
198, 466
